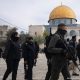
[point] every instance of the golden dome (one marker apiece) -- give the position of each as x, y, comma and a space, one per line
62, 12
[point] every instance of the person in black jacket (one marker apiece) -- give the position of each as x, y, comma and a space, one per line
12, 56
28, 49
58, 51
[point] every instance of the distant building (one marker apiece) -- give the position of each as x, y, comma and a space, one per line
3, 32
36, 30
60, 14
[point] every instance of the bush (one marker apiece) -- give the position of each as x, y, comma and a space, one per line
39, 39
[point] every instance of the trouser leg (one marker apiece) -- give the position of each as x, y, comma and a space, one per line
56, 68
15, 68
65, 72
29, 72
48, 72
8, 71
25, 69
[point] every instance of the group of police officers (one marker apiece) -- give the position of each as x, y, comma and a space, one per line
58, 52
13, 53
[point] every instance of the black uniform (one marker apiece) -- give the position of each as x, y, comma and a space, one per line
58, 60
12, 56
28, 49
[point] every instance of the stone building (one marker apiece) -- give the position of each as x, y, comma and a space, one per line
60, 14
3, 32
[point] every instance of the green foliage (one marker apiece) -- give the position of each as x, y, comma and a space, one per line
39, 39
46, 33
23, 36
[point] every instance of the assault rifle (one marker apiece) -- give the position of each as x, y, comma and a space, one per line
50, 31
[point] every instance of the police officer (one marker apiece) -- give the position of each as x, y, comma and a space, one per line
58, 50
12, 56
28, 49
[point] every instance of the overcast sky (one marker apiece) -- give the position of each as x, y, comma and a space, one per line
23, 13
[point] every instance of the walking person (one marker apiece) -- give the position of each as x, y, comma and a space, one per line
58, 50
73, 43
28, 49
12, 56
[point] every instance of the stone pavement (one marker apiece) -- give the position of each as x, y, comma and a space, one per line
39, 71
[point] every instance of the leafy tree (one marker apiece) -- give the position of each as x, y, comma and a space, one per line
46, 33
23, 36
39, 39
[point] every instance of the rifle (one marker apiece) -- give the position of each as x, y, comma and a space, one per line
50, 31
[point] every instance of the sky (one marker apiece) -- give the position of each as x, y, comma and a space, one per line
22, 13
